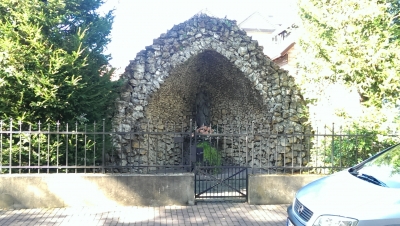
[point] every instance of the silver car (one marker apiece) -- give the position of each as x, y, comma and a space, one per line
367, 194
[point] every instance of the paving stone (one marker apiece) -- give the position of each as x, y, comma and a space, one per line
200, 214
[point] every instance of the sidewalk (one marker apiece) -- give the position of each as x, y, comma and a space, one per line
200, 214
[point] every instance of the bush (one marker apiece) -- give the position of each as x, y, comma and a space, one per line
210, 154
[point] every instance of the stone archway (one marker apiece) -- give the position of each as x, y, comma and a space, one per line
213, 55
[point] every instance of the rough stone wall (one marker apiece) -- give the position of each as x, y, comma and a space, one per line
244, 85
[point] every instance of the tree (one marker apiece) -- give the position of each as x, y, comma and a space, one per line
52, 65
355, 42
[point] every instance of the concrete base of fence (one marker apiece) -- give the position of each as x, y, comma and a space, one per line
276, 189
74, 190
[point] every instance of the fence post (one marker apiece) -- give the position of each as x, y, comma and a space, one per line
66, 150
10, 157
38, 137
20, 145
48, 148
333, 143
252, 147
190, 145
58, 144
148, 147
30, 148
103, 154
85, 145
340, 147
76, 146
246, 128
94, 147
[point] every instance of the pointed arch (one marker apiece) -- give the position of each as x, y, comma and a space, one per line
201, 34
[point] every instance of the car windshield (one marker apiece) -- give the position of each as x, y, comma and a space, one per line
383, 170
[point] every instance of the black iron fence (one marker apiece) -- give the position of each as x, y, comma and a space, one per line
171, 147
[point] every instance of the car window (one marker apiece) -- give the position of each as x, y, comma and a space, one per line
386, 167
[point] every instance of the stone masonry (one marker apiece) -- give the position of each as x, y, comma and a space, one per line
244, 86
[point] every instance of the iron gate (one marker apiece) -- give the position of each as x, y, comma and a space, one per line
219, 176
221, 183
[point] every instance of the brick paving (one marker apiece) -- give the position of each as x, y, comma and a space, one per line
231, 214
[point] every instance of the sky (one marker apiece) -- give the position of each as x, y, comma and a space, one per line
138, 22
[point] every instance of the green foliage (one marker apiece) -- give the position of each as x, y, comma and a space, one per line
351, 146
52, 65
352, 41
210, 154
52, 68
